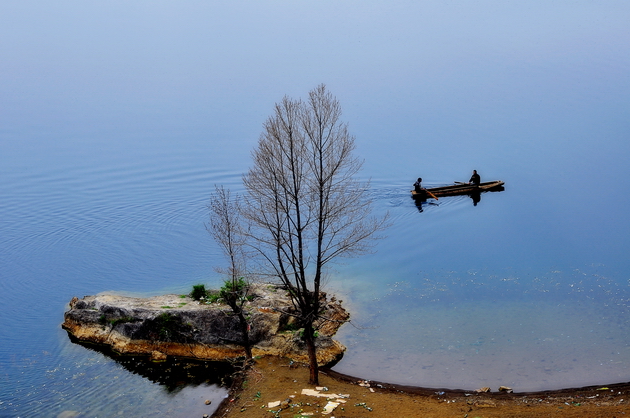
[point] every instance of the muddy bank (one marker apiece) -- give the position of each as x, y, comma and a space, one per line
278, 387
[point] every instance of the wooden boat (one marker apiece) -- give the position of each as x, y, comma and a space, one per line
458, 189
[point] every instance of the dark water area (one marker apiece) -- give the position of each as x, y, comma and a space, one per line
173, 374
116, 122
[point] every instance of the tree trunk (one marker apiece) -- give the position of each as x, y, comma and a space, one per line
238, 310
309, 339
245, 330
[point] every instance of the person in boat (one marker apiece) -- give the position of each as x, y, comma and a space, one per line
417, 186
475, 178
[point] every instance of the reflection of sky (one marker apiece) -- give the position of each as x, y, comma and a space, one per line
93, 61
472, 83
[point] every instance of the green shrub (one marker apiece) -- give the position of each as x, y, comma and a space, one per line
214, 297
229, 290
199, 292
233, 288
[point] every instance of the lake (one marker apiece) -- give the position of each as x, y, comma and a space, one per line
117, 121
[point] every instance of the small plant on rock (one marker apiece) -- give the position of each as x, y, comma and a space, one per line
234, 289
199, 292
214, 296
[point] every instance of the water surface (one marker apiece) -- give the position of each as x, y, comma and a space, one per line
117, 122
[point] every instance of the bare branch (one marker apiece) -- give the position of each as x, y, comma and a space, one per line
228, 230
305, 207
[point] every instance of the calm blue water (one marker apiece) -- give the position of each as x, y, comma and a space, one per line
116, 122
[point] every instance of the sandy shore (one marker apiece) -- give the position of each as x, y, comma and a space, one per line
278, 388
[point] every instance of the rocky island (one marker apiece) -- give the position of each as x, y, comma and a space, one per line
178, 325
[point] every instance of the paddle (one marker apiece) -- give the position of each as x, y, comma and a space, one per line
431, 194
428, 192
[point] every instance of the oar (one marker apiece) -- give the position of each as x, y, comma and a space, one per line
459, 182
431, 194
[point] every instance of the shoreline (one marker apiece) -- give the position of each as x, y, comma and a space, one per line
278, 381
274, 379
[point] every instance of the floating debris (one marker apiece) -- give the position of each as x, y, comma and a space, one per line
505, 389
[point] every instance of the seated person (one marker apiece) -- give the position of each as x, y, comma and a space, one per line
475, 179
417, 186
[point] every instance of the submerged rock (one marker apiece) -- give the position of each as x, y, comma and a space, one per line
173, 325
68, 414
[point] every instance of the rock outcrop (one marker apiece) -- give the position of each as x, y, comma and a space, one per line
174, 325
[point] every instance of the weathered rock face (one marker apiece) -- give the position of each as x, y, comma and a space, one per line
180, 326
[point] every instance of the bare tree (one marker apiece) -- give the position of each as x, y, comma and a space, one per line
227, 230
305, 205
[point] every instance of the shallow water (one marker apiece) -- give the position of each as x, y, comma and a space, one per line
114, 131
532, 336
